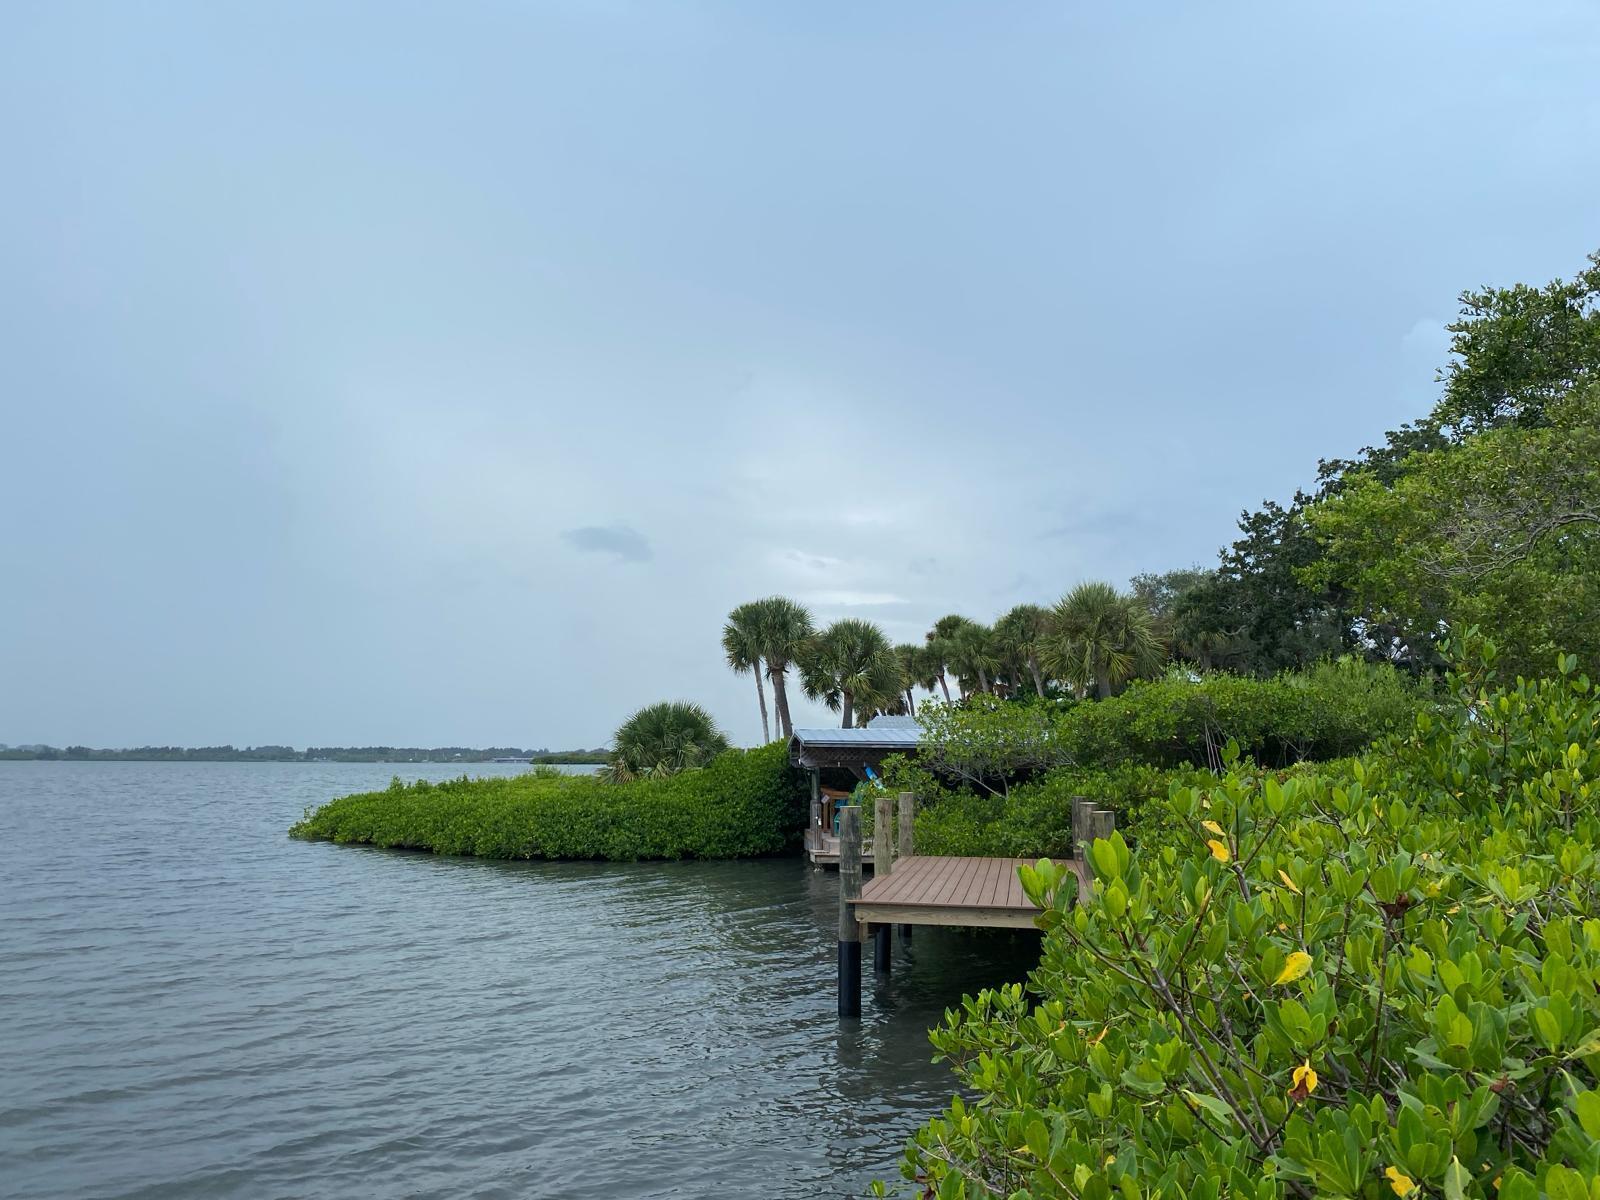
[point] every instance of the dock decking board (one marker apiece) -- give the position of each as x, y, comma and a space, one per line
940, 890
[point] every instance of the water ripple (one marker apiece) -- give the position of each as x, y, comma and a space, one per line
195, 1006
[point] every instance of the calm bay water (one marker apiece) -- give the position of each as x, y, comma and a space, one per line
192, 1005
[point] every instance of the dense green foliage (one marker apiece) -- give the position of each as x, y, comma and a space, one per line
1501, 531
998, 779
663, 739
1378, 978
1034, 819
1182, 719
1329, 711
743, 803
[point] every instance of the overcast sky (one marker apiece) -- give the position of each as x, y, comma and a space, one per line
443, 373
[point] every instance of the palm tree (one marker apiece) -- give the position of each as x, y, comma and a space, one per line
972, 655
741, 642
1019, 633
663, 739
852, 661
942, 643
783, 630
937, 660
1100, 638
914, 662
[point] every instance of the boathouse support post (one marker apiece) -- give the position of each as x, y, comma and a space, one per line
882, 864
849, 929
907, 832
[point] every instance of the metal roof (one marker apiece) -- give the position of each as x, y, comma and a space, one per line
874, 735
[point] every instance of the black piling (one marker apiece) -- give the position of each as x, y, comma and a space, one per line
849, 928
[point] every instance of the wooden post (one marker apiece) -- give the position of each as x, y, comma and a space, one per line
849, 930
882, 864
882, 835
908, 812
1102, 821
908, 803
816, 799
1080, 825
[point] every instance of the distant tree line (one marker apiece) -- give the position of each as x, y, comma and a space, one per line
394, 754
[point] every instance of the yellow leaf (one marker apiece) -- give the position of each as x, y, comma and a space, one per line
1306, 1077
1219, 851
1294, 967
1402, 1184
1287, 882
1211, 827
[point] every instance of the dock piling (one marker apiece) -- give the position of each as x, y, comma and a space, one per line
907, 838
849, 928
882, 864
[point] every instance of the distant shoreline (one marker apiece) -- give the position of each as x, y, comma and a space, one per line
447, 756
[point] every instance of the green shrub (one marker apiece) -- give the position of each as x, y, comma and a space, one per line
1034, 819
1377, 979
743, 803
1330, 711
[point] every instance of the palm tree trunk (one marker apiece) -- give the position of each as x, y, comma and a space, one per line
983, 680
761, 698
1038, 681
945, 684
777, 673
911, 703
849, 713
1102, 683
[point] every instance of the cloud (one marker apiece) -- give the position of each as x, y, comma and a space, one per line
853, 599
629, 545
811, 562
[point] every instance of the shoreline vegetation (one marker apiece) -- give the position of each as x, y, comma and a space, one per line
321, 754
744, 804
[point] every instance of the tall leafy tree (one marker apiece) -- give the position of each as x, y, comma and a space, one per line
783, 630
1206, 625
852, 665
741, 644
1501, 531
1099, 638
663, 739
1514, 350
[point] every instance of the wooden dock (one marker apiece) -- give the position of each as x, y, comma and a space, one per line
822, 848
936, 890
910, 889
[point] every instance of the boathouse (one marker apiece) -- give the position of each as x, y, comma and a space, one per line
844, 755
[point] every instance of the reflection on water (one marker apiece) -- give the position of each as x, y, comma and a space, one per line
196, 1006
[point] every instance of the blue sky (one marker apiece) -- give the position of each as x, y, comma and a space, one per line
443, 373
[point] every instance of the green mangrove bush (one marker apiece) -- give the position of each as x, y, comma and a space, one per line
1330, 711
1376, 980
742, 804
